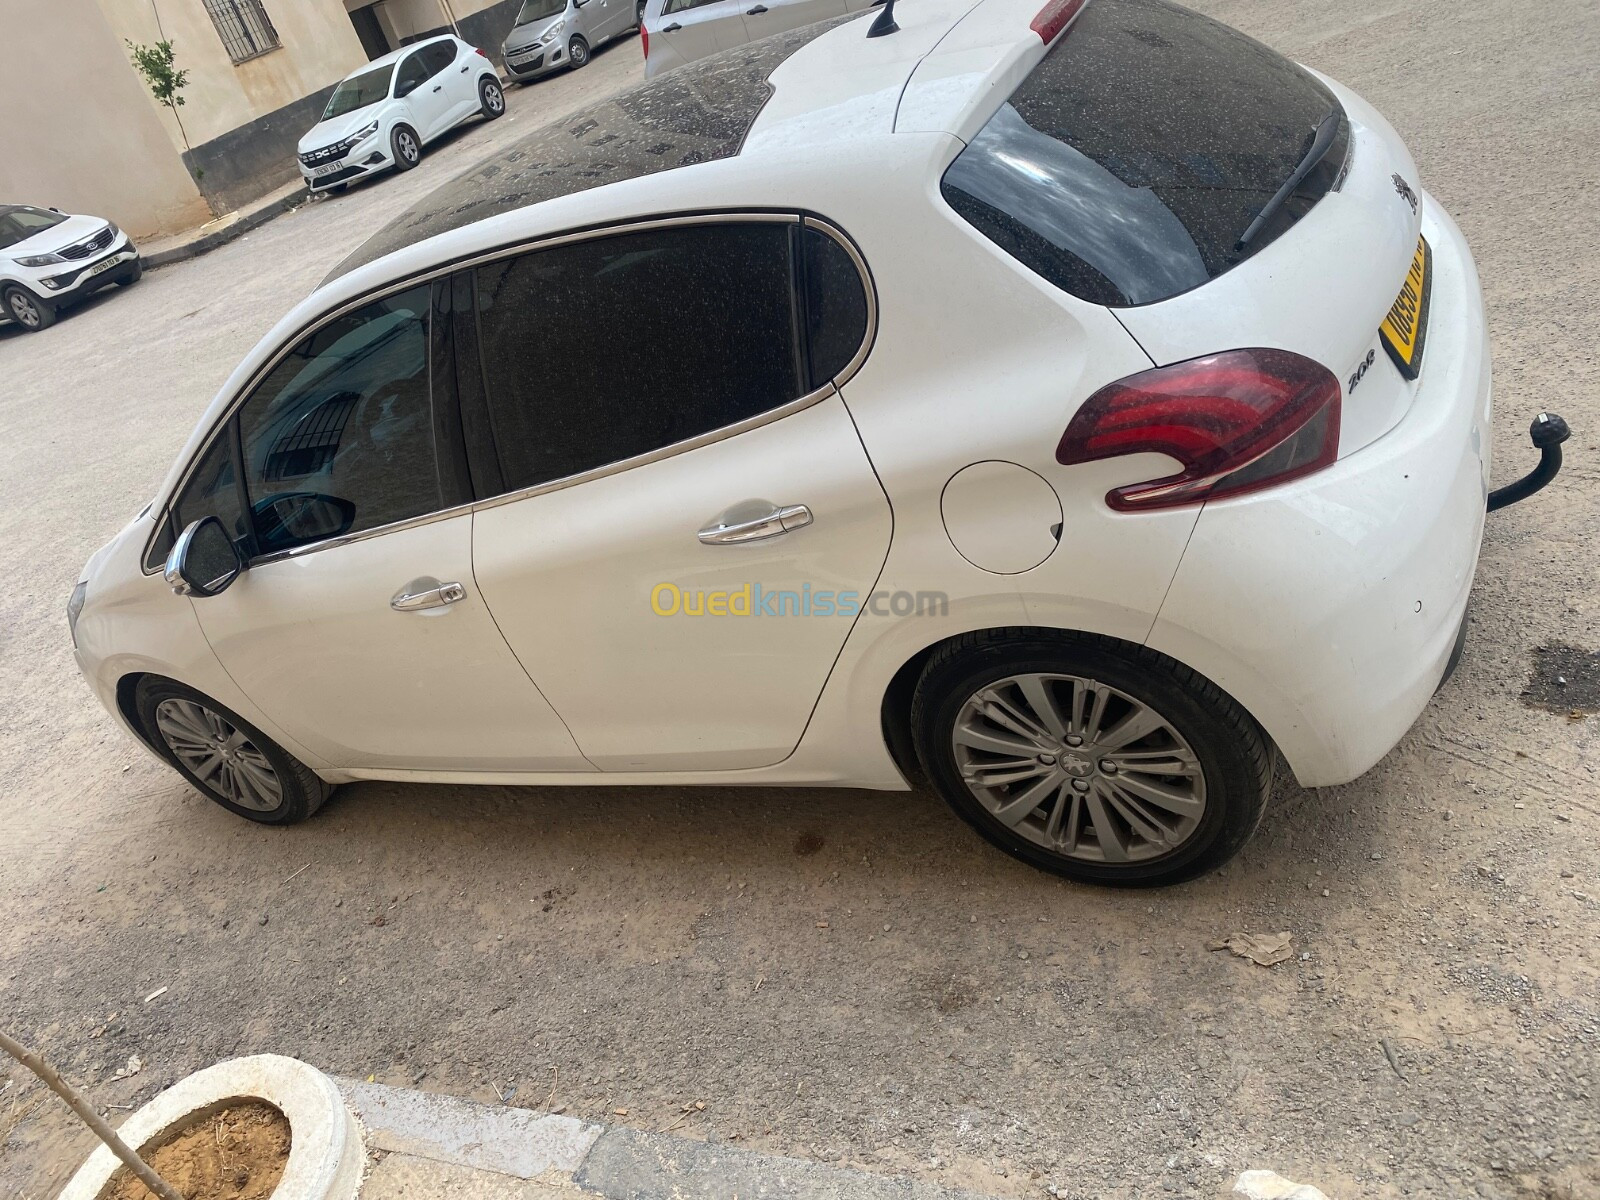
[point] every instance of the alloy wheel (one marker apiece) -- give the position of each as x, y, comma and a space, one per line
1079, 768
495, 98
219, 755
24, 310
408, 146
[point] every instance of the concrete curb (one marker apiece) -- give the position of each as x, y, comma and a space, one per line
599, 1160
248, 219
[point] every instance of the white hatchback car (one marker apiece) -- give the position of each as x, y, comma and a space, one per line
384, 114
1030, 401
50, 260
674, 32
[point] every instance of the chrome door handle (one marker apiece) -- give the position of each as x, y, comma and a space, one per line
768, 525
434, 597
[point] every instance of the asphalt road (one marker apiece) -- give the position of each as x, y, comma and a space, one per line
852, 976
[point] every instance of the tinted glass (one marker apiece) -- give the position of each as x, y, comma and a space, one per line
602, 350
412, 73
359, 91
539, 10
339, 437
836, 306
213, 490
673, 6
438, 56
1126, 167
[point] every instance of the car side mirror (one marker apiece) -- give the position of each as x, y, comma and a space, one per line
204, 560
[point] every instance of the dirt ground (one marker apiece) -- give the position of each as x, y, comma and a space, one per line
958, 1017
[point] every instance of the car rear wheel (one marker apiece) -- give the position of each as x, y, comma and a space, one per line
577, 53
225, 758
1091, 758
407, 147
27, 310
491, 100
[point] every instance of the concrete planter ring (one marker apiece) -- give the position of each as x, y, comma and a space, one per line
326, 1158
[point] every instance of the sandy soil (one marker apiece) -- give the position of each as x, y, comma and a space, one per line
236, 1154
959, 1017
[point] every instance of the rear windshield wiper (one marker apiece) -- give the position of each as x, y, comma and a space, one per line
1321, 143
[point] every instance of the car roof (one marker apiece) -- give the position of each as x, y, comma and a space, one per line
395, 56
809, 86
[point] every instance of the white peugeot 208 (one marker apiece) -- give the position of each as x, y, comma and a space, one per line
1073, 408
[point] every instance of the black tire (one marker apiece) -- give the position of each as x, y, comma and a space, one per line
638, 14
577, 53
491, 99
302, 793
1235, 760
134, 275
405, 146
26, 310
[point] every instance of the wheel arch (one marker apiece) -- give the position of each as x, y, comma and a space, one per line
895, 711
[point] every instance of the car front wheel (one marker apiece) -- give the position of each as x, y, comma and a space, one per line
406, 146
225, 758
27, 310
577, 53
491, 100
1091, 758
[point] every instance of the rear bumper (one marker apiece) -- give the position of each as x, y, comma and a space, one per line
1329, 608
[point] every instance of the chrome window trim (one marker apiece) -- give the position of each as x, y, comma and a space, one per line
815, 396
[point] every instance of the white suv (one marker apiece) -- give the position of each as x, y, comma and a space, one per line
50, 259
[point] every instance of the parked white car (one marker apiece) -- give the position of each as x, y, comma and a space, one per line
674, 32
1034, 402
384, 114
50, 260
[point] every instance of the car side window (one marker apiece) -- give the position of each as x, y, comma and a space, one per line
413, 72
339, 437
602, 350
836, 306
437, 56
674, 6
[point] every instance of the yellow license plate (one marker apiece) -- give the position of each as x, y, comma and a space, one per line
1406, 327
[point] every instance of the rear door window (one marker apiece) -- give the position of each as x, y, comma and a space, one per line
607, 349
1130, 165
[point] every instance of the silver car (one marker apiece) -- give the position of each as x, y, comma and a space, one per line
551, 34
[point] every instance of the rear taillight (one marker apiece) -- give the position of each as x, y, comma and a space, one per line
479, 51
1053, 18
1238, 422
644, 39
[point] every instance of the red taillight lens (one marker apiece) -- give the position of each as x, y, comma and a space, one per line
1237, 421
480, 53
1053, 18
644, 39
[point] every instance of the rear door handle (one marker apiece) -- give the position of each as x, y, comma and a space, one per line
756, 11
439, 87
434, 597
673, 28
769, 525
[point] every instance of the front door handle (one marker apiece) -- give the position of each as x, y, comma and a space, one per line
768, 525
673, 28
434, 597
756, 11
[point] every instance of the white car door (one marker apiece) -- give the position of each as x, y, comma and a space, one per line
693, 30
765, 17
422, 90
683, 598
358, 626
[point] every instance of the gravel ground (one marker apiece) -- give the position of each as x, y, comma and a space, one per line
851, 976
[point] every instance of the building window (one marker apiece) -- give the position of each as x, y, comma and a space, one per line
244, 27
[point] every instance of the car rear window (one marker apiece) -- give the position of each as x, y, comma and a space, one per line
1130, 165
